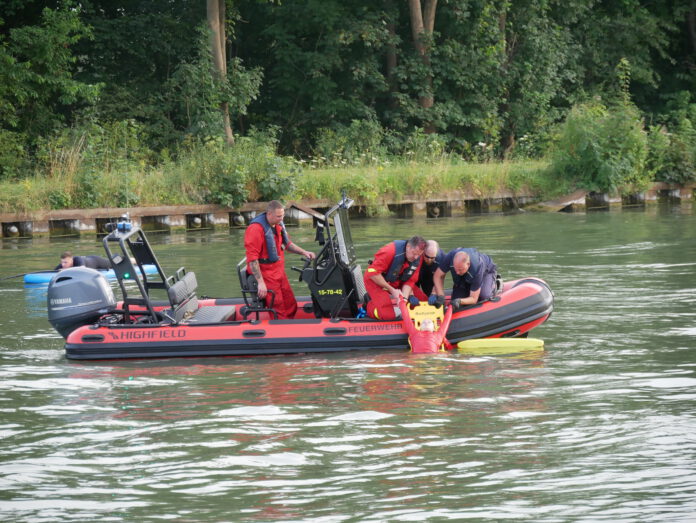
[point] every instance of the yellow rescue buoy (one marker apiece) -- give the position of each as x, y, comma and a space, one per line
501, 344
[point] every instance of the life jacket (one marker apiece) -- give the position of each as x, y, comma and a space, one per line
269, 233
393, 273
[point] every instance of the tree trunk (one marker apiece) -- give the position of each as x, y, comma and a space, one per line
391, 63
691, 22
509, 41
391, 59
216, 22
422, 26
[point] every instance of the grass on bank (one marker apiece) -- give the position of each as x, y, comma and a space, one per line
372, 185
599, 148
200, 181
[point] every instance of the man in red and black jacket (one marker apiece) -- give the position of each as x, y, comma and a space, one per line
393, 273
265, 241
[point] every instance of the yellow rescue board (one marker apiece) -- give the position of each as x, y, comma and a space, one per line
504, 344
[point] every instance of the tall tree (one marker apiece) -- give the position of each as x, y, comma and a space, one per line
422, 26
38, 88
533, 68
691, 23
323, 63
216, 22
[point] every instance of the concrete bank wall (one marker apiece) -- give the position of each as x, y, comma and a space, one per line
75, 222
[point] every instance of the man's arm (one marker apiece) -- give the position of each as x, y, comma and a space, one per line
406, 290
472, 299
299, 250
442, 332
256, 271
439, 282
406, 317
379, 280
253, 245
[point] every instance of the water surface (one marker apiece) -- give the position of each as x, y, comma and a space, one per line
598, 426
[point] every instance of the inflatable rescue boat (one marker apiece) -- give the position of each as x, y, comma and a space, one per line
44, 277
83, 309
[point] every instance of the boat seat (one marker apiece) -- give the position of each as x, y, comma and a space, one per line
182, 297
184, 302
212, 314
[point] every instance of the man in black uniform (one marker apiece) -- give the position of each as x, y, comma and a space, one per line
67, 260
432, 256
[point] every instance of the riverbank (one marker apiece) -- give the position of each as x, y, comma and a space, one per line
234, 183
172, 218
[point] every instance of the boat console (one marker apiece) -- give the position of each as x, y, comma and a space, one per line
334, 277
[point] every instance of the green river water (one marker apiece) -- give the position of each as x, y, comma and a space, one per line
599, 426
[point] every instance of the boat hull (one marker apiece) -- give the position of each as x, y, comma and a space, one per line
523, 305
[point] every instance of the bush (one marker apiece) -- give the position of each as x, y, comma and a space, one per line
603, 150
672, 156
208, 173
269, 176
14, 161
360, 143
214, 172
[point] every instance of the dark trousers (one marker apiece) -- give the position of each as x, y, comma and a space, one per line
487, 288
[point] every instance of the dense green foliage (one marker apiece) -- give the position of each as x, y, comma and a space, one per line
602, 150
116, 101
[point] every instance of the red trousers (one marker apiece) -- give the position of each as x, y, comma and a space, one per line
285, 303
380, 305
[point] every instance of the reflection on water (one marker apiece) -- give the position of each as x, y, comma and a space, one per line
599, 425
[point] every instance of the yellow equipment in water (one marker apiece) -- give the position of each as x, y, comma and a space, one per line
502, 343
522, 347
423, 311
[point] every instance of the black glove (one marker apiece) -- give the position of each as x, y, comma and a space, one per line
413, 300
432, 299
440, 301
456, 303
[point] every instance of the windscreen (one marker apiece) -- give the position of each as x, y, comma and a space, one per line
345, 240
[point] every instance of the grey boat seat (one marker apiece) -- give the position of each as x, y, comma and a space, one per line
185, 307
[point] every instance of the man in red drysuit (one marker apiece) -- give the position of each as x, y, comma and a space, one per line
393, 273
265, 241
428, 338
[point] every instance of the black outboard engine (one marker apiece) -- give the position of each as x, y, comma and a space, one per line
78, 296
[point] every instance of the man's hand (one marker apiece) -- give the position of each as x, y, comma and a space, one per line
262, 289
415, 302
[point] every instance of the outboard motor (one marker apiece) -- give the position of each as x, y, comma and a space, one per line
78, 296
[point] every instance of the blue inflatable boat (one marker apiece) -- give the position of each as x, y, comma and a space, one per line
45, 277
